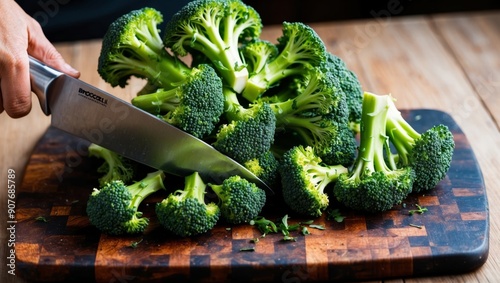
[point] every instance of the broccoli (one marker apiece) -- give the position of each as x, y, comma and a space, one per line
114, 167
249, 132
265, 167
257, 54
429, 153
350, 85
319, 115
240, 200
304, 178
194, 106
299, 47
132, 46
185, 212
371, 185
215, 28
113, 208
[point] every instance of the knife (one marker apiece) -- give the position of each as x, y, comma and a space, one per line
101, 118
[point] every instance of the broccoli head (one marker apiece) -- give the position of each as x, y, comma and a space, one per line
113, 208
185, 212
114, 167
304, 178
371, 185
429, 153
215, 28
240, 200
249, 132
265, 167
132, 46
299, 47
195, 106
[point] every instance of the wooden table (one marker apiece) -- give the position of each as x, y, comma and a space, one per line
444, 62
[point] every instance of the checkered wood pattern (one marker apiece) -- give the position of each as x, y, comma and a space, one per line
453, 237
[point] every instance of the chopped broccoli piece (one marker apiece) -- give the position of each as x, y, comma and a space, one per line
215, 28
299, 47
249, 132
429, 153
195, 106
371, 185
265, 167
304, 178
114, 207
114, 167
185, 212
257, 54
349, 83
132, 46
240, 200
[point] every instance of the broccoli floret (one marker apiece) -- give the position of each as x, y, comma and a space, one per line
240, 200
299, 47
257, 54
249, 132
185, 212
429, 153
114, 207
114, 167
132, 46
195, 106
265, 167
216, 28
371, 185
350, 85
304, 178
318, 114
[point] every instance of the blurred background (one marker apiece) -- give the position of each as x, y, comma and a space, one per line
67, 20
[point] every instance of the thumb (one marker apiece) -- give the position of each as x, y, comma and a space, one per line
42, 49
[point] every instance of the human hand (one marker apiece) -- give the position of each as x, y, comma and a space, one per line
21, 35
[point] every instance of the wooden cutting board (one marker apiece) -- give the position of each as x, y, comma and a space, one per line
451, 237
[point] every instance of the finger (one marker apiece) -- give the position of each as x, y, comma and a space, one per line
41, 48
15, 86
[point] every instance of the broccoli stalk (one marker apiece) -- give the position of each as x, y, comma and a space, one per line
429, 153
114, 167
195, 106
132, 46
257, 54
184, 212
215, 28
299, 47
114, 207
240, 200
304, 178
370, 184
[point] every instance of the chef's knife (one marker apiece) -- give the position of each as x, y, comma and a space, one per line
101, 118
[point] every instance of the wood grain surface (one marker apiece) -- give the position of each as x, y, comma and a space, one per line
452, 237
443, 62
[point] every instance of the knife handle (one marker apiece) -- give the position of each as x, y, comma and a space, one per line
41, 77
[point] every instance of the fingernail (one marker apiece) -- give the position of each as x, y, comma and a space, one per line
70, 69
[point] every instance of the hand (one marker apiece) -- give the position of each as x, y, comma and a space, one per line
21, 35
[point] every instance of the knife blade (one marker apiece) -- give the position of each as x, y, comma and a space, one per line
101, 118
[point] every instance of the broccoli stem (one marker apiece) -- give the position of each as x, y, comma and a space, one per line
195, 187
161, 101
140, 190
324, 175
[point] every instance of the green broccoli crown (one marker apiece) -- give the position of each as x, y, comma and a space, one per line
132, 46
265, 167
429, 153
371, 184
304, 178
215, 28
350, 85
195, 106
113, 209
250, 135
240, 200
185, 212
340, 148
257, 54
299, 47
114, 167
